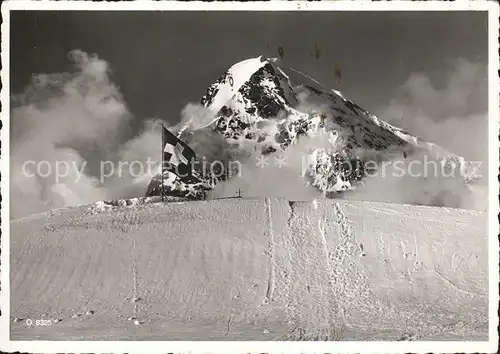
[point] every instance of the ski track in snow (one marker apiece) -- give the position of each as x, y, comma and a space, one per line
135, 298
270, 285
252, 270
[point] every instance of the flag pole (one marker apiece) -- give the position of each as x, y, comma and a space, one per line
162, 154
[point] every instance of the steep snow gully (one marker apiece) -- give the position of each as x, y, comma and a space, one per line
265, 269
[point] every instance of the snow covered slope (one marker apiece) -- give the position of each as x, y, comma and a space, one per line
255, 104
251, 270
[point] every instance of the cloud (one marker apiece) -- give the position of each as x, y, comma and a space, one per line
78, 119
275, 175
455, 116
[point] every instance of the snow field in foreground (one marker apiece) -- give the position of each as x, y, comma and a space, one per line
251, 270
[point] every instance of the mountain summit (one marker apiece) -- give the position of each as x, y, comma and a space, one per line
255, 104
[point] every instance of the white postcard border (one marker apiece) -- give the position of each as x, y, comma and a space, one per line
253, 346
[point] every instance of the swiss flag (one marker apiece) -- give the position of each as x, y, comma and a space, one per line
178, 157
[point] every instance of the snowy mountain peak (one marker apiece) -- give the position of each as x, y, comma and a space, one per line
255, 102
255, 88
222, 91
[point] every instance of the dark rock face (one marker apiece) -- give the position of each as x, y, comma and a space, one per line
261, 97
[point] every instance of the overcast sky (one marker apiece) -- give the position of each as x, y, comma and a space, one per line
163, 60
